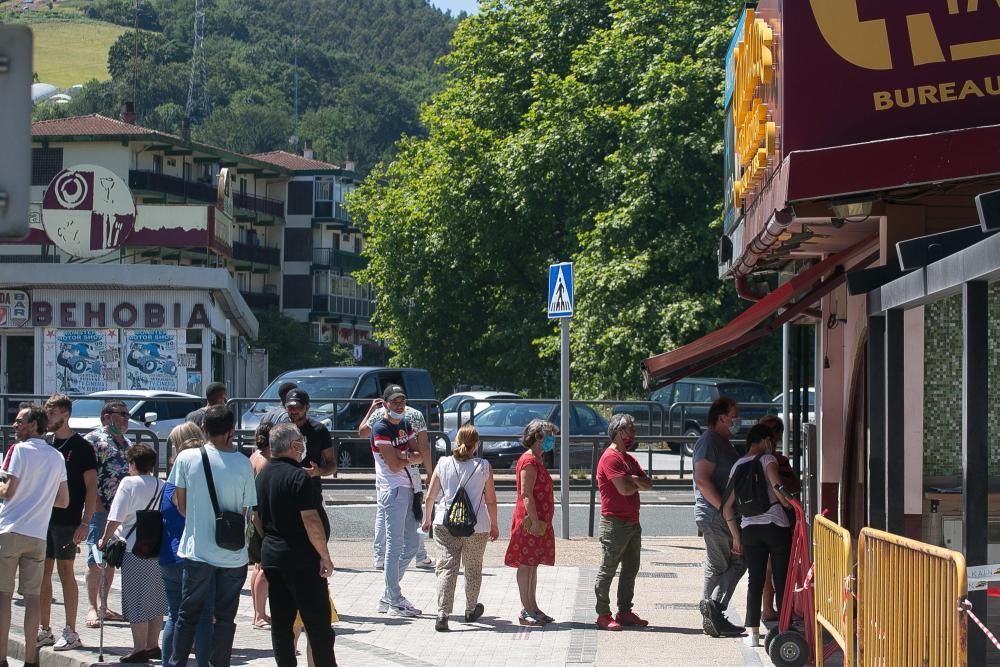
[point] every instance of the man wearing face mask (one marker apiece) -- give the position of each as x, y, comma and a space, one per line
619, 479
714, 456
394, 447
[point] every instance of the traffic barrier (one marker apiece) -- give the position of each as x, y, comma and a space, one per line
832, 576
910, 598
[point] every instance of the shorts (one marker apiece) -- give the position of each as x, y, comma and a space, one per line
96, 532
59, 543
25, 556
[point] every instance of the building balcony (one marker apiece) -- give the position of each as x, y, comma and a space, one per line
331, 259
173, 186
261, 301
345, 306
258, 254
330, 210
256, 204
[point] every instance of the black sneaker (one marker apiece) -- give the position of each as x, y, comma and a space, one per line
441, 624
727, 629
707, 620
473, 615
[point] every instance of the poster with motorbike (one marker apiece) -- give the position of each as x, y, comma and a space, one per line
79, 361
152, 359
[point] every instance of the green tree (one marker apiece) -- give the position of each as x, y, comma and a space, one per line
584, 130
289, 346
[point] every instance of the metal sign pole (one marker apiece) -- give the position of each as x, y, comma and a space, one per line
564, 425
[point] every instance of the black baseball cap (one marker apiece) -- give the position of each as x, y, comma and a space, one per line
392, 391
297, 397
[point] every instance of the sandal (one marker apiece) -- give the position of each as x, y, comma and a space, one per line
113, 616
529, 618
261, 624
93, 621
543, 617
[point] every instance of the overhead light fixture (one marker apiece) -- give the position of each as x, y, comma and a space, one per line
852, 207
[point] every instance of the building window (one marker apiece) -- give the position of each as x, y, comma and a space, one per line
187, 171
157, 164
45, 164
324, 194
300, 198
243, 186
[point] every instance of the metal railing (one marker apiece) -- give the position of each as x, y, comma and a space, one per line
909, 597
258, 204
833, 597
171, 185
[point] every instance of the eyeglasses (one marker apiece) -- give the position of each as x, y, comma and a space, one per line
21, 421
119, 413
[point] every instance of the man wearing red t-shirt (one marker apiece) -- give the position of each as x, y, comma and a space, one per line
619, 479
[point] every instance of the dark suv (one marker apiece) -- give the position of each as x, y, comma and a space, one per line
686, 402
325, 385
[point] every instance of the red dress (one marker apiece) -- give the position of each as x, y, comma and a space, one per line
525, 549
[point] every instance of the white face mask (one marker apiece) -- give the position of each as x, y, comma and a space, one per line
396, 415
302, 454
734, 425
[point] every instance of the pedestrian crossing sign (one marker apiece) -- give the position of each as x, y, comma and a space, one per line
561, 290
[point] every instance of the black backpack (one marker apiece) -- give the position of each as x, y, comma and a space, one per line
749, 488
460, 520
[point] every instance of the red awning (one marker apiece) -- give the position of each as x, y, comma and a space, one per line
747, 328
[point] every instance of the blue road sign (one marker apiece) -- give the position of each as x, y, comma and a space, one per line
561, 290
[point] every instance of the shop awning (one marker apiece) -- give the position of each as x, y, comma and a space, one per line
791, 299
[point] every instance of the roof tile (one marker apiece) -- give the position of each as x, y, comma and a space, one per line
292, 161
93, 124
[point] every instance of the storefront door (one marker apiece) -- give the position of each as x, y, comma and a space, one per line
18, 357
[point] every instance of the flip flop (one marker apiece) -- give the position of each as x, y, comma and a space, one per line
93, 621
261, 625
113, 616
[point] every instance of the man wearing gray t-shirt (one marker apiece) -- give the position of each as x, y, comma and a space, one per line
714, 456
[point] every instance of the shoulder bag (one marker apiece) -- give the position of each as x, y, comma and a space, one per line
230, 527
114, 551
149, 527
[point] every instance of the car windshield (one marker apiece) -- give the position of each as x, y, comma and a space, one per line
318, 387
451, 402
91, 407
512, 414
745, 393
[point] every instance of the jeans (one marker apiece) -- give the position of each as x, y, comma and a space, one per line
723, 569
204, 588
378, 544
621, 542
400, 538
759, 543
173, 577
307, 592
95, 532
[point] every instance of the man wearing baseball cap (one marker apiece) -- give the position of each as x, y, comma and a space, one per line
320, 459
394, 447
619, 479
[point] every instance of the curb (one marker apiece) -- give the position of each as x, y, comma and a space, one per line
15, 649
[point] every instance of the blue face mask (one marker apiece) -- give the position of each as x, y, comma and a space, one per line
548, 443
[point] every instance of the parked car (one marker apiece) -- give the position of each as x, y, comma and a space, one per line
450, 406
686, 404
348, 382
509, 420
787, 419
145, 412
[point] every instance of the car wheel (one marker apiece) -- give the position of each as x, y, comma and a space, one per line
345, 458
149, 366
78, 366
689, 446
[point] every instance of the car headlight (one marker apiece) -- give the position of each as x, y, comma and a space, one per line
496, 445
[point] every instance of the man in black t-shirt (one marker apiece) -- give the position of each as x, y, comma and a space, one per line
319, 446
216, 394
294, 554
67, 527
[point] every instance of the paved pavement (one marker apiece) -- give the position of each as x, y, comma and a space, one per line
666, 593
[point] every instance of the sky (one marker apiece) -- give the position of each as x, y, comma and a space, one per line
456, 6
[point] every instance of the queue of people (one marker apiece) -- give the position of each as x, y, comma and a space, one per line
103, 483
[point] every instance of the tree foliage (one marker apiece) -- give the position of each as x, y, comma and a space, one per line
583, 130
289, 346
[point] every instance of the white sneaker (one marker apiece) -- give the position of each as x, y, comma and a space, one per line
403, 602
382, 607
399, 610
45, 637
752, 639
378, 566
69, 640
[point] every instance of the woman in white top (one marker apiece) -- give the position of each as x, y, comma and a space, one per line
475, 475
762, 536
144, 602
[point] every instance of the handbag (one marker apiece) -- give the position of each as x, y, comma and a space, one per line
230, 527
149, 527
418, 498
255, 541
114, 551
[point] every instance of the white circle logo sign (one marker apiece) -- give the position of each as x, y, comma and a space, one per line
88, 211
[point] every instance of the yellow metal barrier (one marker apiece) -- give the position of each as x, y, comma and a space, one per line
908, 603
832, 565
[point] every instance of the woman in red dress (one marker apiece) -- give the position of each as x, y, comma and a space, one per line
532, 542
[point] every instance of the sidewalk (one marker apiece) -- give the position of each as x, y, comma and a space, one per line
667, 594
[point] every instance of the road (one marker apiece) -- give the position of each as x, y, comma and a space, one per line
356, 521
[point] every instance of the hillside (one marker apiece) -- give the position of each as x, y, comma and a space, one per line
73, 51
364, 68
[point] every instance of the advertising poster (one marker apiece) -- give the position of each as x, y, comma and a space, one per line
79, 361
152, 359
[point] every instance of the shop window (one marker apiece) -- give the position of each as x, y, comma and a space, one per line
45, 164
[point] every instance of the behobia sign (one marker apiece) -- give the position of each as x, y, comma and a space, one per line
88, 211
806, 74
